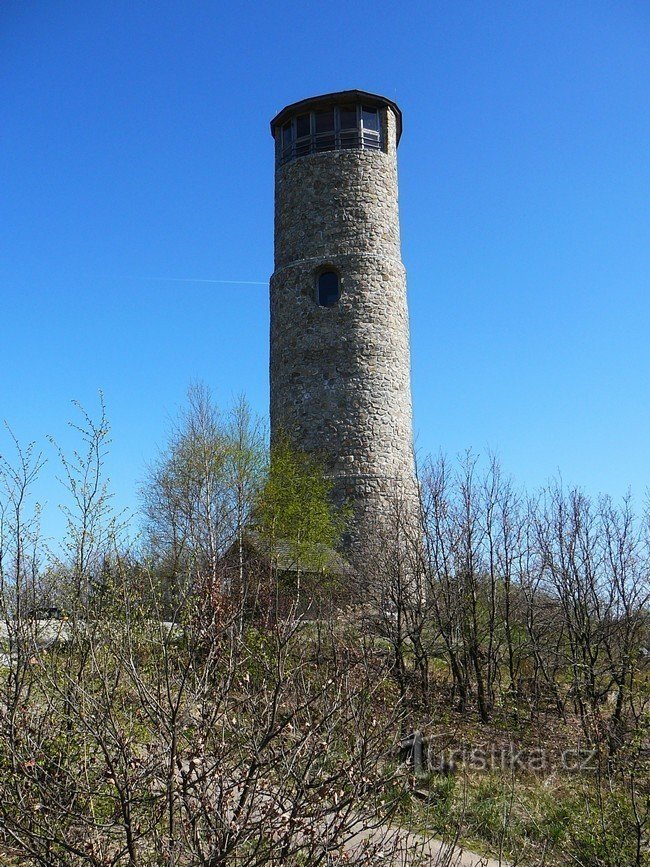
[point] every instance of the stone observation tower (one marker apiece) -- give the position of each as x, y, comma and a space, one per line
340, 369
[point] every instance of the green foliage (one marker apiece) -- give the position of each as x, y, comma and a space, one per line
487, 809
602, 830
295, 512
570, 821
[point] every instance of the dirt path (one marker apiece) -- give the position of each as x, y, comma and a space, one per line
402, 848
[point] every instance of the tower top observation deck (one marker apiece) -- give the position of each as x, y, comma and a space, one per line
334, 121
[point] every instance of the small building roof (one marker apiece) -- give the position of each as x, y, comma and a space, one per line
283, 555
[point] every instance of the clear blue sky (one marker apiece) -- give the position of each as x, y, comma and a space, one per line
135, 152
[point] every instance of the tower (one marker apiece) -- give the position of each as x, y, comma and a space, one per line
340, 367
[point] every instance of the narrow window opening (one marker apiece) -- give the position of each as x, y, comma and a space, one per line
328, 290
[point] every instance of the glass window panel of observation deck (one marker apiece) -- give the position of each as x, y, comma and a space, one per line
287, 138
303, 135
371, 127
303, 125
348, 126
325, 121
370, 119
324, 129
348, 117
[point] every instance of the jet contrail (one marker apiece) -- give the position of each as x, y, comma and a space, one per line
203, 280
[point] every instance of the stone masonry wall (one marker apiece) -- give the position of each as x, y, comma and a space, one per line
340, 376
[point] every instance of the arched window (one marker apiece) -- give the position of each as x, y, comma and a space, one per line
328, 291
